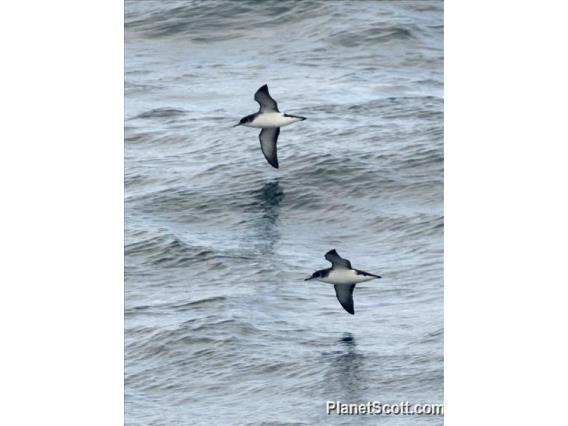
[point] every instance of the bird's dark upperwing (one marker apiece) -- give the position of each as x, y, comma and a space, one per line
344, 293
267, 104
268, 138
336, 260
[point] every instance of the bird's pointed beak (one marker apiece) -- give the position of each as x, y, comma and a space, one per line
309, 278
238, 124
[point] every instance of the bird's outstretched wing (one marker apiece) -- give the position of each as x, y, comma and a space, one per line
267, 104
344, 293
336, 260
268, 138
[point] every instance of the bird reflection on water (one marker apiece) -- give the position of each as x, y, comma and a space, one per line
266, 206
346, 375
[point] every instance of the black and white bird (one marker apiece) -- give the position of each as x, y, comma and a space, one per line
269, 119
343, 277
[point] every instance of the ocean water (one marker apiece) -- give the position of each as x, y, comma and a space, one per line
220, 326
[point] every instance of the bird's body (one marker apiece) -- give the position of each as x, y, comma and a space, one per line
269, 119
343, 277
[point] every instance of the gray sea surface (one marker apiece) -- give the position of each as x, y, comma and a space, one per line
220, 326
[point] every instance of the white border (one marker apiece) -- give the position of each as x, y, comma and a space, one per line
506, 192
61, 171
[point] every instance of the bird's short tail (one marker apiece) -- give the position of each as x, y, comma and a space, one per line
295, 116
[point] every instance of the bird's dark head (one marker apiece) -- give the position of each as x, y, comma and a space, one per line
245, 120
315, 275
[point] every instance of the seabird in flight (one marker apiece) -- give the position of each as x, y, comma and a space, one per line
343, 277
269, 119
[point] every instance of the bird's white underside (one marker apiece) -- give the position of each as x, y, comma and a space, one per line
271, 119
342, 276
